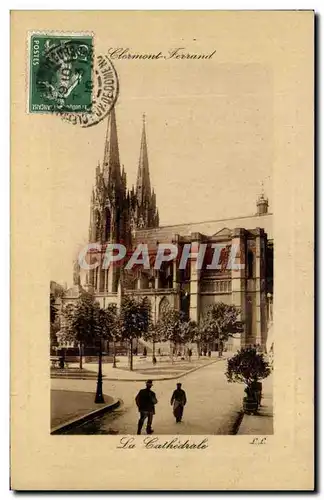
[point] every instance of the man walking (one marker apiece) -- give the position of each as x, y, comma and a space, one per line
178, 400
146, 401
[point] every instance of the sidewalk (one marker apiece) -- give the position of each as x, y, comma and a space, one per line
261, 424
143, 369
69, 408
73, 372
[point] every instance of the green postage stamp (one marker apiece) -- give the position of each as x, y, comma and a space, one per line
60, 73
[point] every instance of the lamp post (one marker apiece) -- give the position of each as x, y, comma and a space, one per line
133, 322
99, 399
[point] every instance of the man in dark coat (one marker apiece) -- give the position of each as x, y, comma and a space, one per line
178, 400
146, 401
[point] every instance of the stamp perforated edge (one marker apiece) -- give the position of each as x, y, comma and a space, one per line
58, 33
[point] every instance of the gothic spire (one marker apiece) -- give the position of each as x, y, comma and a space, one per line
143, 184
124, 178
111, 163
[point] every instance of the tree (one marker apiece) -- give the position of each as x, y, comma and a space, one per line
246, 366
79, 322
53, 310
168, 327
54, 321
114, 334
154, 336
135, 320
56, 293
86, 323
199, 335
220, 322
104, 323
188, 331
173, 327
206, 333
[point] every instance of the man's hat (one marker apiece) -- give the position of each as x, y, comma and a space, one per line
149, 381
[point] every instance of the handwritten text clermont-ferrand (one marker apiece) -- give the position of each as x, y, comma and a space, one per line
176, 53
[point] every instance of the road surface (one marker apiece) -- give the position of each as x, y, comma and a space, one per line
212, 407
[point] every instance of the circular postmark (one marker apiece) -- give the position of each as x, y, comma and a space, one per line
104, 91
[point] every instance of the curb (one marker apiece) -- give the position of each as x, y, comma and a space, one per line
173, 377
85, 418
237, 423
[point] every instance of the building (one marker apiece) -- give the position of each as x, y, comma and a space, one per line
119, 215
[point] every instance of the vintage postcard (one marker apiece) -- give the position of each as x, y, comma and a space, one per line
162, 250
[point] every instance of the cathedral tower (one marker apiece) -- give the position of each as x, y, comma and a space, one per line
109, 211
143, 199
116, 213
108, 217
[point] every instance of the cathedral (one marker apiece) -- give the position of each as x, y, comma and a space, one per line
131, 217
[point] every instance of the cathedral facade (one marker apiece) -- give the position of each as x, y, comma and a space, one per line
131, 217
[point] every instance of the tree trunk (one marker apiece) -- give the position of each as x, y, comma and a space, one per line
80, 355
198, 349
220, 349
114, 353
131, 355
153, 351
99, 399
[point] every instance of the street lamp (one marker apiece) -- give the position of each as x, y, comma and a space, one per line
99, 399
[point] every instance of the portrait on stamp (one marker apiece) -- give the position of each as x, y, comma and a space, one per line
61, 76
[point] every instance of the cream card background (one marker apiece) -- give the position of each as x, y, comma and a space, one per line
282, 41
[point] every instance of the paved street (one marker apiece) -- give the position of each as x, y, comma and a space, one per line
212, 408
70, 405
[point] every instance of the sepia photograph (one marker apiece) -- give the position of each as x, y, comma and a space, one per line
165, 317
162, 250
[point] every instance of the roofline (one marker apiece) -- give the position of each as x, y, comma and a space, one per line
204, 222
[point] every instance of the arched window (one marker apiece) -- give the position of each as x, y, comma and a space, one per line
163, 306
250, 261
